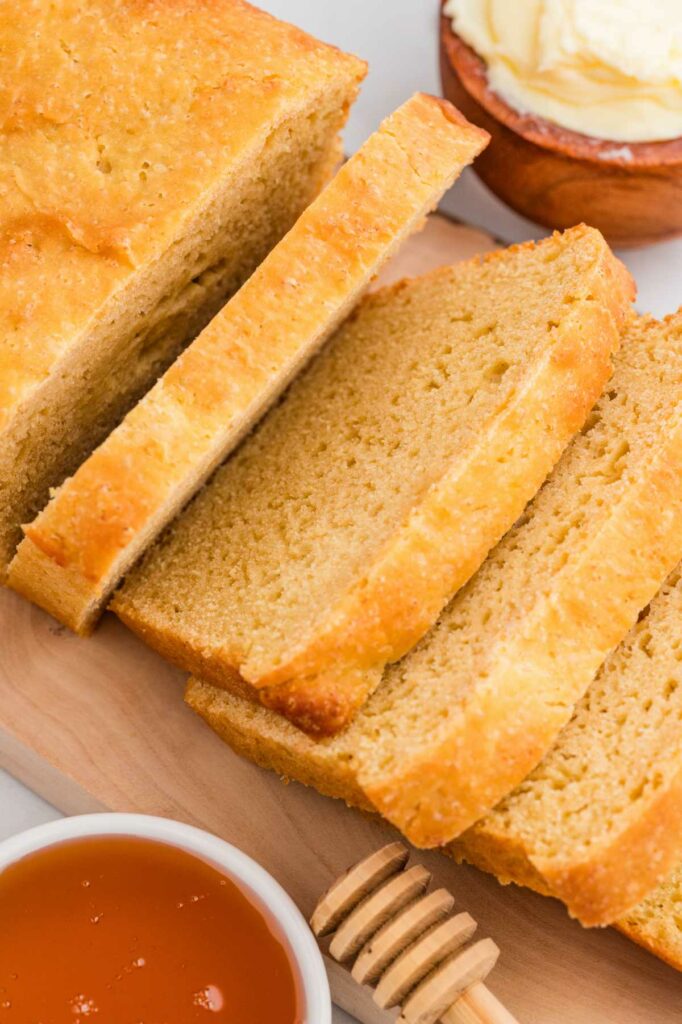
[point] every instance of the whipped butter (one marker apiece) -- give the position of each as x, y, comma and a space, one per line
607, 68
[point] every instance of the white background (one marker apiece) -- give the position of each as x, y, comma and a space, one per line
399, 40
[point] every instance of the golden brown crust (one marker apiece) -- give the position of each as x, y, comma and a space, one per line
67, 243
506, 727
603, 888
322, 705
656, 922
120, 498
507, 724
604, 885
274, 744
652, 942
508, 871
278, 749
122, 199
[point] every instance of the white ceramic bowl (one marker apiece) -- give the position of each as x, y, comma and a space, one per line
250, 876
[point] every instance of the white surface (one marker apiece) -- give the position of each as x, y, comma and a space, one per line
20, 808
399, 40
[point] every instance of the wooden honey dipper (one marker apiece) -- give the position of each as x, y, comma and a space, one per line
407, 944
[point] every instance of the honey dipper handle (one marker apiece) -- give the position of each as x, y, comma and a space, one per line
478, 1006
406, 944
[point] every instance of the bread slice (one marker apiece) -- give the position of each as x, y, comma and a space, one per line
331, 542
600, 819
656, 922
150, 156
465, 717
269, 740
102, 518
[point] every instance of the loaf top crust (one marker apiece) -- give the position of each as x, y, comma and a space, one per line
117, 119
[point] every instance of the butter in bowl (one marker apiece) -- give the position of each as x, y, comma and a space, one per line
583, 102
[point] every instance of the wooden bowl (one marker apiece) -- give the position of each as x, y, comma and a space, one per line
632, 192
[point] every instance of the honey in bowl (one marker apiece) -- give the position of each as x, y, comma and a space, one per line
123, 930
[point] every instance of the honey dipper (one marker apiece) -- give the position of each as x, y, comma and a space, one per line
407, 944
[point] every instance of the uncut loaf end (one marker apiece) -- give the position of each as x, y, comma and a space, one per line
102, 518
175, 145
331, 541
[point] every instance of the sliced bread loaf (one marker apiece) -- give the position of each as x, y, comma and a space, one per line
264, 737
150, 156
464, 718
329, 544
600, 819
101, 519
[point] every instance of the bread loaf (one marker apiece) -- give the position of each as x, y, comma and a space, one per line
461, 721
100, 520
150, 156
329, 544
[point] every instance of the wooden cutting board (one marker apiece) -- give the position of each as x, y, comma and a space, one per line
100, 724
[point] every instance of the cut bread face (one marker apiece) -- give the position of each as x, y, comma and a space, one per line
102, 518
175, 146
600, 819
332, 540
473, 709
656, 922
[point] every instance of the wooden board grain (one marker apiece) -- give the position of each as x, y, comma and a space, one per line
100, 723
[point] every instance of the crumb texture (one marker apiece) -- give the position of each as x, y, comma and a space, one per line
412, 390
266, 738
600, 817
656, 923
459, 722
521, 643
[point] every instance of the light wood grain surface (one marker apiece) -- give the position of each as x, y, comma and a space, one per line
100, 723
